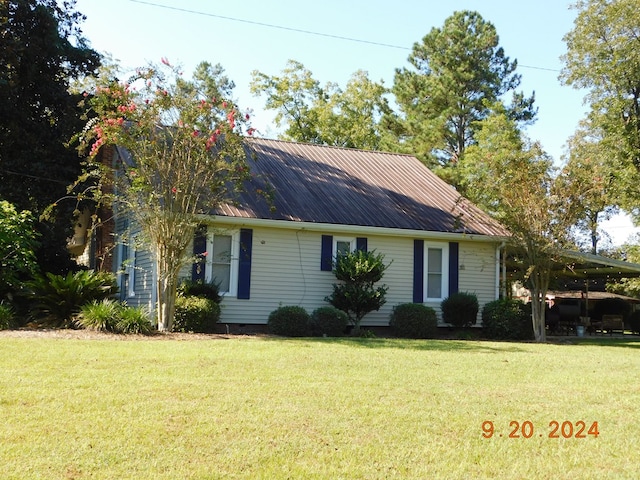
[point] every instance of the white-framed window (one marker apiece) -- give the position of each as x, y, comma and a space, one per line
343, 245
436, 271
222, 261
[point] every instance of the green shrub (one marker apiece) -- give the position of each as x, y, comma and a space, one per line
290, 321
6, 316
357, 294
57, 299
506, 319
196, 314
99, 315
413, 320
460, 309
198, 288
328, 321
133, 320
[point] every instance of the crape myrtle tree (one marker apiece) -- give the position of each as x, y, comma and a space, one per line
513, 180
324, 115
603, 56
41, 50
457, 73
185, 140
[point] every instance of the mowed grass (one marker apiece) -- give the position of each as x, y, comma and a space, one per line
266, 408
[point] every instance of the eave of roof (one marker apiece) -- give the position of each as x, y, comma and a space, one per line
588, 265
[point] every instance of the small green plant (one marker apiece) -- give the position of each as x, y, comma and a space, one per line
133, 320
6, 316
460, 309
357, 295
112, 316
57, 299
328, 321
506, 319
414, 320
196, 314
99, 315
290, 321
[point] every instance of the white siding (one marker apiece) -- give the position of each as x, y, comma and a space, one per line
285, 270
477, 266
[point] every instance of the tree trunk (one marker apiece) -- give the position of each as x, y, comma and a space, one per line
167, 288
538, 286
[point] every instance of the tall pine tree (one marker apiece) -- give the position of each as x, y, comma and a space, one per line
41, 49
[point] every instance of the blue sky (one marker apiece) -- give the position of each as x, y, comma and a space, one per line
138, 31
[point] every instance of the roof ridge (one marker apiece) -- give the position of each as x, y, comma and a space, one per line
335, 147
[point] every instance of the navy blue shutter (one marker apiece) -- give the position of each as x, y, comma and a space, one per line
418, 271
244, 263
454, 270
361, 243
326, 253
199, 247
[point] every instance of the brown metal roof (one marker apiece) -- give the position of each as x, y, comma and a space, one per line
322, 184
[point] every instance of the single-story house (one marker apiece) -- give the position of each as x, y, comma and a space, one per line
326, 200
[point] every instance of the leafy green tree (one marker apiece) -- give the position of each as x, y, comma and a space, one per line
18, 241
629, 252
603, 56
357, 295
325, 115
513, 180
457, 72
588, 180
188, 155
41, 50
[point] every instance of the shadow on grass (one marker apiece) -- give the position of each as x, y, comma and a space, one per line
408, 344
632, 342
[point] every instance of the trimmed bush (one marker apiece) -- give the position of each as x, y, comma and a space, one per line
506, 319
198, 288
6, 316
134, 320
414, 320
196, 314
328, 321
290, 321
460, 309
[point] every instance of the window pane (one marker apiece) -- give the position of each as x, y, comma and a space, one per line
221, 262
222, 249
434, 285
221, 277
434, 259
342, 247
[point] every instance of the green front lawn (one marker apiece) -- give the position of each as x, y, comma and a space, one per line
265, 408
